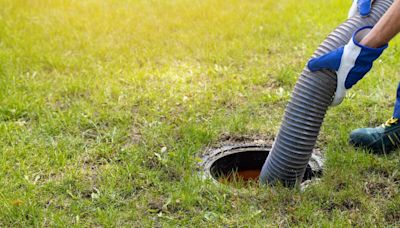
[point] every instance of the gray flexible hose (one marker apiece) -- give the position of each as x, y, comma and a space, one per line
306, 110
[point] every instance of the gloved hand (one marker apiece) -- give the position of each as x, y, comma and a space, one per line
362, 6
350, 62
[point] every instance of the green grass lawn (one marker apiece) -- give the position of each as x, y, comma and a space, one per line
107, 105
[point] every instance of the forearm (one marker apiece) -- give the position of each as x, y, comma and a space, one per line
387, 28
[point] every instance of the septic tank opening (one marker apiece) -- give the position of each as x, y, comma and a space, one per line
243, 162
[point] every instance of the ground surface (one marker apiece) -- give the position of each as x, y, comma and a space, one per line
105, 107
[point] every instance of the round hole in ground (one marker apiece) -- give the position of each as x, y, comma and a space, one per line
244, 163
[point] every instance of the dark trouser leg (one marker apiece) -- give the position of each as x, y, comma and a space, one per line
396, 113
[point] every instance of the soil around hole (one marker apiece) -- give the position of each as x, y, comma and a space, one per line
243, 163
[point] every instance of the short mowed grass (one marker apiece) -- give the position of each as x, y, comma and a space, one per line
107, 105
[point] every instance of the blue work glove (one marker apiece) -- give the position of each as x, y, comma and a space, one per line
350, 62
362, 6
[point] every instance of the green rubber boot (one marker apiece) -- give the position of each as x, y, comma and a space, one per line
382, 139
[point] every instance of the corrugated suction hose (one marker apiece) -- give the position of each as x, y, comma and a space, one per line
306, 110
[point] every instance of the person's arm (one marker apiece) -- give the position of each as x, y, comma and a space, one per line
387, 28
353, 61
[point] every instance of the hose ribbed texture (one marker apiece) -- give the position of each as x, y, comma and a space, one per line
306, 110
